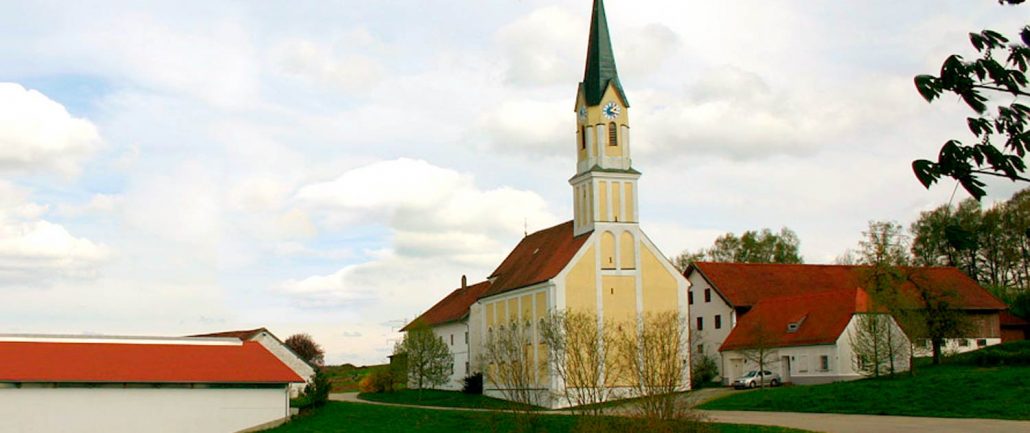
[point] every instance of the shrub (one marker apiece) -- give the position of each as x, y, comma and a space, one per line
473, 384
315, 394
1012, 353
378, 380
703, 370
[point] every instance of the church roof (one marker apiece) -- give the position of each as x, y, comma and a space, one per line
600, 66
537, 258
818, 318
745, 284
453, 307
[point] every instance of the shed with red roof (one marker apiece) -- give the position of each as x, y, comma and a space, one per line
131, 384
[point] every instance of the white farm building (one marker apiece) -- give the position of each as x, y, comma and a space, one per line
74, 384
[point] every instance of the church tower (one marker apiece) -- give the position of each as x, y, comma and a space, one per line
605, 184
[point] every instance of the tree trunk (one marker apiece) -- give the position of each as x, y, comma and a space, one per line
937, 343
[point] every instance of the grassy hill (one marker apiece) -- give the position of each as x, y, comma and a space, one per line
345, 378
988, 383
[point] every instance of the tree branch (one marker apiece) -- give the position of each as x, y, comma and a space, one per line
1017, 177
1000, 89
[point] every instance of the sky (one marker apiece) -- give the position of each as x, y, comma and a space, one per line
335, 167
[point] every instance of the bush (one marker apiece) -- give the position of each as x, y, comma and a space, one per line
1012, 353
703, 370
315, 394
380, 379
473, 384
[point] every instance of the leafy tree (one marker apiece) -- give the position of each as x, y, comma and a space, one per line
762, 246
306, 348
428, 358
997, 77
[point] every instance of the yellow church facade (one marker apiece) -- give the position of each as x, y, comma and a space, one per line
601, 262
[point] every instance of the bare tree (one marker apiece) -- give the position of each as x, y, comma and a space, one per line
761, 350
509, 361
877, 344
429, 360
657, 364
581, 351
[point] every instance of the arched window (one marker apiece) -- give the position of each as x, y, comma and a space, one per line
613, 135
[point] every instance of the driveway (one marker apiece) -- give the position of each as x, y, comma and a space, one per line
819, 422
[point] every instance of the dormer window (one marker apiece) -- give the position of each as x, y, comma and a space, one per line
792, 327
613, 134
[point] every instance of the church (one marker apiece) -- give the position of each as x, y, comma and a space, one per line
600, 263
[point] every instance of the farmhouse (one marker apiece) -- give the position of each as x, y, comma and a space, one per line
599, 263
449, 321
135, 384
274, 345
728, 299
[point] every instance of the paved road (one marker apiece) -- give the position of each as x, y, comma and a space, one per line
825, 422
840, 423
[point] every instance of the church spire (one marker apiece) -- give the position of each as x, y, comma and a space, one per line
600, 68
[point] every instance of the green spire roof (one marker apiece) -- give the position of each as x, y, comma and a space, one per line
600, 69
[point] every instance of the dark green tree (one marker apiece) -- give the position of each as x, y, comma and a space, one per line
996, 79
753, 246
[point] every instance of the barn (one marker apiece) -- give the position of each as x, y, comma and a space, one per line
134, 384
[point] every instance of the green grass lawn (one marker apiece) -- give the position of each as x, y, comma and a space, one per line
950, 390
437, 398
340, 417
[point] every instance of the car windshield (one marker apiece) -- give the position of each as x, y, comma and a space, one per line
751, 374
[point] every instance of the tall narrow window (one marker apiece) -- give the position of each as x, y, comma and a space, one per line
690, 297
718, 321
708, 295
700, 324
582, 137
613, 135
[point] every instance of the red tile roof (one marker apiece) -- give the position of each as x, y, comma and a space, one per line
28, 361
452, 307
242, 335
823, 316
537, 258
745, 284
1010, 320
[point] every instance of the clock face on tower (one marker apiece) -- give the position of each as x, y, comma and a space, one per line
583, 113
611, 110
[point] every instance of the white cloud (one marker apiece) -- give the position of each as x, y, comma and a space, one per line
36, 249
342, 67
441, 224
537, 46
37, 133
528, 127
414, 195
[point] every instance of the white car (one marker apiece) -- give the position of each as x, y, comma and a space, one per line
754, 378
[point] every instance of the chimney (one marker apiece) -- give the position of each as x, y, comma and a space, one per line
464, 282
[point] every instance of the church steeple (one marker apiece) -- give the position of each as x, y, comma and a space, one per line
605, 184
600, 68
